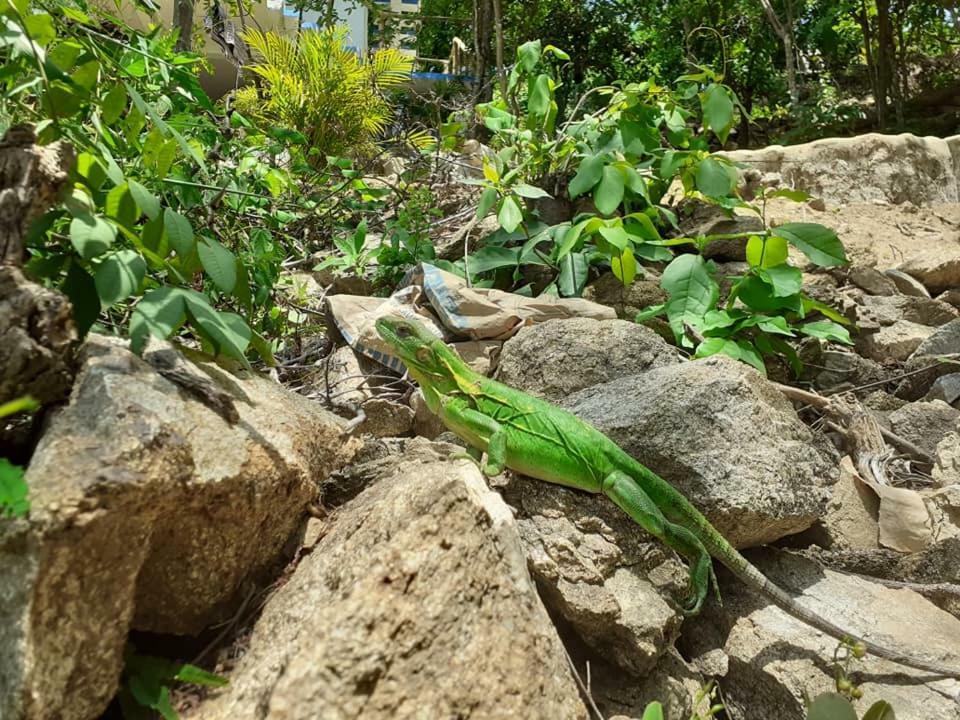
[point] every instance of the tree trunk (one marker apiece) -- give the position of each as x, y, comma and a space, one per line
498, 28
482, 43
884, 60
183, 21
864, 19
785, 33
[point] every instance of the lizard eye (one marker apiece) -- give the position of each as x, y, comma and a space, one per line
403, 331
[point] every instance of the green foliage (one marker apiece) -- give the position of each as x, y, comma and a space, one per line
407, 237
318, 85
834, 706
623, 157
145, 685
13, 489
158, 229
764, 306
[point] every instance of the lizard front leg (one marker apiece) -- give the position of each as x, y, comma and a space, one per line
472, 425
630, 497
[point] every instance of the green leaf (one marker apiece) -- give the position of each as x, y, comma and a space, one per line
570, 238
146, 200
609, 193
880, 710
529, 191
25, 404
228, 333
616, 236
692, 291
159, 314
540, 97
653, 711
824, 309
179, 232
789, 194
118, 276
624, 266
817, 242
758, 294
717, 110
154, 238
487, 200
650, 312
713, 178
827, 330
91, 235
219, 262
766, 252
197, 676
165, 157
588, 175
13, 490
113, 104
831, 706
121, 206
574, 270
528, 55
492, 257
82, 291
510, 215
785, 280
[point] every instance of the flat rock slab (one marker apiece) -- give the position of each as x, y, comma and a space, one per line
774, 660
725, 438
416, 603
143, 505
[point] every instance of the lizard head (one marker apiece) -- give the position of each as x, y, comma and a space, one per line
425, 355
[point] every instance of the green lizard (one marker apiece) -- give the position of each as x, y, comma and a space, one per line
538, 439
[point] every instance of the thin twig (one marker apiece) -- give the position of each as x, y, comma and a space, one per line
583, 688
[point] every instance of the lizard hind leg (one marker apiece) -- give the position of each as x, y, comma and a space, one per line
630, 497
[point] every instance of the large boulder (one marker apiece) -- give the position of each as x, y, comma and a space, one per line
558, 357
725, 438
415, 603
937, 268
143, 504
776, 661
891, 168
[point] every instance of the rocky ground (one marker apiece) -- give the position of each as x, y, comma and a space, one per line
333, 571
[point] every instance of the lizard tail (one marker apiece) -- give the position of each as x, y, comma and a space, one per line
753, 578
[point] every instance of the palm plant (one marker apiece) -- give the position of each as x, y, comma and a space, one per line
317, 85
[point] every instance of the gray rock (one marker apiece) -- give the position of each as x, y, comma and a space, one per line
838, 370
775, 661
626, 301
726, 438
871, 280
144, 502
936, 270
924, 363
558, 357
907, 284
871, 167
889, 310
385, 418
616, 586
416, 603
951, 297
894, 342
924, 424
946, 388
